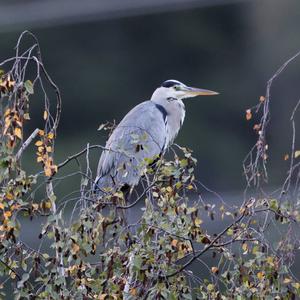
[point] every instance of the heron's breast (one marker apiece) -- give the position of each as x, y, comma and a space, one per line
175, 118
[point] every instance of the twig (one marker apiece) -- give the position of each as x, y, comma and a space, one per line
11, 269
26, 143
212, 243
79, 154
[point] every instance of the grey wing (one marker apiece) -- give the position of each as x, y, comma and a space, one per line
140, 137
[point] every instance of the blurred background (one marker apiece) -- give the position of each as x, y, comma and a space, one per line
107, 56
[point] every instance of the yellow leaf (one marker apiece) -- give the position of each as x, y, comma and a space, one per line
270, 260
45, 116
215, 270
1, 206
103, 297
245, 247
296, 285
9, 196
48, 204
39, 143
7, 214
169, 189
48, 172
133, 292
210, 287
7, 112
41, 149
39, 159
50, 135
260, 275
35, 206
75, 248
49, 148
41, 132
286, 157
198, 221
18, 133
297, 153
287, 280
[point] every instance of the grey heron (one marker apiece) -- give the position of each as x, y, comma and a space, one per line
143, 135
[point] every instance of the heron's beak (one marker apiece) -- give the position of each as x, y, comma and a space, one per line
192, 92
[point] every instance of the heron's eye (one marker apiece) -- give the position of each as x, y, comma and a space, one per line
177, 88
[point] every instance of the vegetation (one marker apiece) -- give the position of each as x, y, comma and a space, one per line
170, 251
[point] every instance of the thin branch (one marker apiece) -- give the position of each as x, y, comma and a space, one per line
26, 143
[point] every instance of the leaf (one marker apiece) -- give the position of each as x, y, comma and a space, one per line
26, 116
245, 248
262, 98
39, 143
287, 280
41, 132
45, 116
75, 248
18, 133
39, 159
297, 153
248, 114
198, 221
7, 214
215, 270
210, 287
35, 206
133, 292
50, 135
101, 126
48, 172
174, 243
137, 262
28, 87
286, 157
260, 275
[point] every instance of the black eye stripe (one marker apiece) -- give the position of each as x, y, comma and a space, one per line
169, 83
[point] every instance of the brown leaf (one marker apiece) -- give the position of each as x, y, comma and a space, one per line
262, 98
248, 114
41, 132
174, 243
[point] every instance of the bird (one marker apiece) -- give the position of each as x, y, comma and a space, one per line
143, 136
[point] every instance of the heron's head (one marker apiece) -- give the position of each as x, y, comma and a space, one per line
175, 90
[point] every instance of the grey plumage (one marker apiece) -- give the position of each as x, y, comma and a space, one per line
143, 135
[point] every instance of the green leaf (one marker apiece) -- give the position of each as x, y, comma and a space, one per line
28, 87
137, 263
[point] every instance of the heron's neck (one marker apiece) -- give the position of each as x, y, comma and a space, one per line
175, 116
